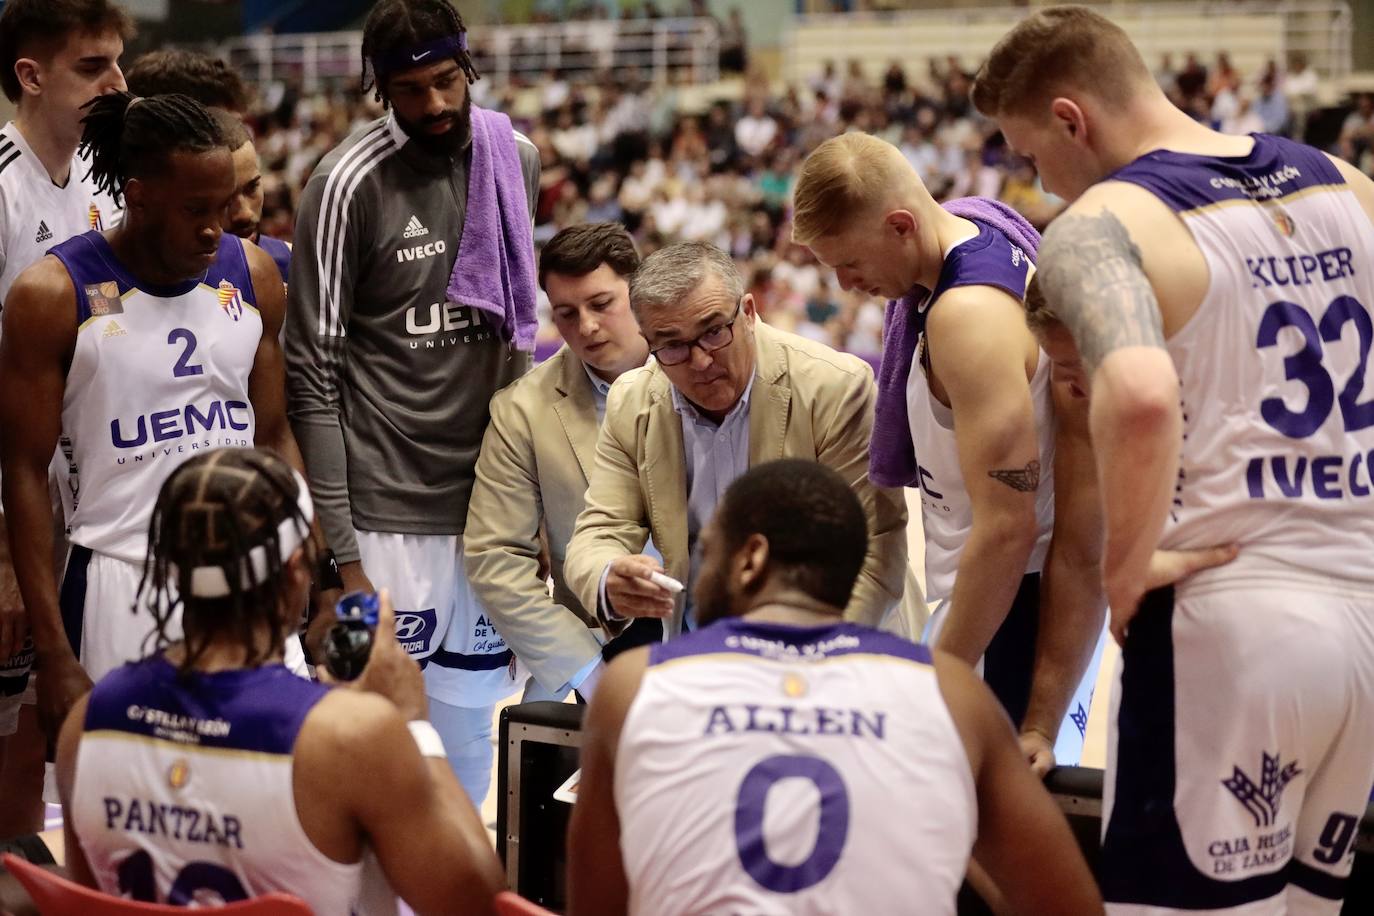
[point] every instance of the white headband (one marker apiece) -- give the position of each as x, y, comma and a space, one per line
211, 582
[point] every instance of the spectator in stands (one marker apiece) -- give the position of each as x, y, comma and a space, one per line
756, 131
1192, 79
734, 43
1245, 119
1357, 132
1271, 106
1165, 75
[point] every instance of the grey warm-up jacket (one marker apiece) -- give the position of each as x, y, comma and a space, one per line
387, 384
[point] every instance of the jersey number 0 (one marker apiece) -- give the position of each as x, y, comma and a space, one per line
830, 833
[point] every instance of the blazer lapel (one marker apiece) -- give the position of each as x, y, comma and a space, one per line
577, 410
665, 475
771, 400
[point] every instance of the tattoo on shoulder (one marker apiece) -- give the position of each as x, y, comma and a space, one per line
1026, 479
1091, 273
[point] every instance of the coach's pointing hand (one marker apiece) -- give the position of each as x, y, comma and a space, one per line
632, 593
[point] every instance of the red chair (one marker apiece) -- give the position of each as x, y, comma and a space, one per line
509, 903
56, 896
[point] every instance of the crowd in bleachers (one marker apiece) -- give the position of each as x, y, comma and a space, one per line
654, 158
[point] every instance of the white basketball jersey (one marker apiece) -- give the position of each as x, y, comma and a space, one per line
766, 769
183, 790
988, 259
1278, 403
36, 214
157, 376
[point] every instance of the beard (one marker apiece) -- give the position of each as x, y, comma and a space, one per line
710, 598
449, 143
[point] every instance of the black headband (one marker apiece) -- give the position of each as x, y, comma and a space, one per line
422, 55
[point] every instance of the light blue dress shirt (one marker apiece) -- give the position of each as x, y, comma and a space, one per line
715, 454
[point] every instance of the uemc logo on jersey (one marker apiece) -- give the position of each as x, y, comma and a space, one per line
445, 319
415, 630
167, 425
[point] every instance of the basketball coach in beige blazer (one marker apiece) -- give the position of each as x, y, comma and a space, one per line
725, 392
538, 453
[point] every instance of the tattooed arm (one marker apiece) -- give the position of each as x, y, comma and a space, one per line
980, 352
1092, 272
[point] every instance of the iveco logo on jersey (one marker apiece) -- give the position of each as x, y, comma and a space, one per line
415, 630
420, 252
165, 425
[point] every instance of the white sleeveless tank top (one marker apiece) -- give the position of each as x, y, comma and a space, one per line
1278, 398
766, 769
183, 789
987, 259
157, 376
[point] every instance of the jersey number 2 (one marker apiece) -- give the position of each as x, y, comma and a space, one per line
137, 883
1305, 366
183, 367
830, 833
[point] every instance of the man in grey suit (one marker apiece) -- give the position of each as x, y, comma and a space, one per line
538, 454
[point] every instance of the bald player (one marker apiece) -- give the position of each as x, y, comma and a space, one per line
1000, 477
1217, 290
782, 760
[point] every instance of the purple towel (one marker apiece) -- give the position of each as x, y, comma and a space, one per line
892, 458
494, 271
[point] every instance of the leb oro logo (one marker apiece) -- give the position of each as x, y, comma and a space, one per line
93, 217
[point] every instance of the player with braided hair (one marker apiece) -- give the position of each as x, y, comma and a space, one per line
393, 360
398, 24
143, 345
154, 763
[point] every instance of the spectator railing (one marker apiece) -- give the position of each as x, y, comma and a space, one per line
660, 50
1252, 33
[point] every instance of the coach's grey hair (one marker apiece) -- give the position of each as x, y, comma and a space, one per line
670, 274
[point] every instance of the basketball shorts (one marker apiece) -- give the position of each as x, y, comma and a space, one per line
1241, 751
15, 687
439, 620
107, 624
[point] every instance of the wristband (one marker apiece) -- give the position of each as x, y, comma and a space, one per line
426, 739
327, 575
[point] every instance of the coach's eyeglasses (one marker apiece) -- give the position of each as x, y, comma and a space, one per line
712, 339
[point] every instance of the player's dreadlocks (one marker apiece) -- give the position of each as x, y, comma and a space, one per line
395, 25
215, 548
129, 137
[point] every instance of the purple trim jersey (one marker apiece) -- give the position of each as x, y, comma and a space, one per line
774, 769
1278, 403
158, 374
184, 790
